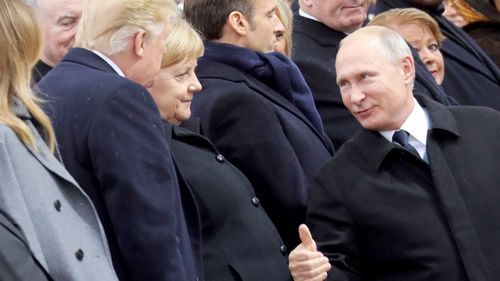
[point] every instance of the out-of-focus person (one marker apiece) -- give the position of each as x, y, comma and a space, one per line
240, 243
39, 198
482, 23
472, 77
284, 37
59, 21
111, 140
452, 15
421, 31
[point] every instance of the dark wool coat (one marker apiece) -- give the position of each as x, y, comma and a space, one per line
381, 213
266, 137
110, 136
240, 242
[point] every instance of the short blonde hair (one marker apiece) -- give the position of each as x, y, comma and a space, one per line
21, 44
395, 17
107, 25
183, 42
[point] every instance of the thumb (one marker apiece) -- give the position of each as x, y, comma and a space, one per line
306, 238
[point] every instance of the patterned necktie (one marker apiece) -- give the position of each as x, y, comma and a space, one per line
401, 137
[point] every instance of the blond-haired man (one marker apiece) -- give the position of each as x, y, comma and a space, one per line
109, 133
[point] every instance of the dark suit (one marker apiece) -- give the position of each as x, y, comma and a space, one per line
239, 240
111, 141
315, 48
265, 136
471, 77
17, 262
381, 213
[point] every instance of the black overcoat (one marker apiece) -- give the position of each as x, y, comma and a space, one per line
111, 141
266, 137
240, 242
381, 213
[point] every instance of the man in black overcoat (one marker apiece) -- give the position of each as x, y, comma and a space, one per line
414, 195
318, 28
109, 133
256, 107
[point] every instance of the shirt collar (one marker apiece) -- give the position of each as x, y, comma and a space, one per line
306, 15
115, 67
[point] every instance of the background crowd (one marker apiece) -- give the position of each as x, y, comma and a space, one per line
251, 140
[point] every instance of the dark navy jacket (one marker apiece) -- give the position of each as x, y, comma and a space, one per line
471, 77
109, 132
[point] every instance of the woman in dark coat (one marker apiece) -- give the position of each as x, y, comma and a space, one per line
239, 240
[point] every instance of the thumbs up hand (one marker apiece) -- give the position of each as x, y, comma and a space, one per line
305, 262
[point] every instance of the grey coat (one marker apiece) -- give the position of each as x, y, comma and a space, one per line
58, 218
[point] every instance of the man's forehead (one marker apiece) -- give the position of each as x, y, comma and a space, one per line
63, 6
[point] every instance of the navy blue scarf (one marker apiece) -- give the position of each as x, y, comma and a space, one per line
273, 69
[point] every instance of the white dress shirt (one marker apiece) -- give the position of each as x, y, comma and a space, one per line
110, 62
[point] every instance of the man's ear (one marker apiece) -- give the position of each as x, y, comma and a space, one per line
408, 67
139, 41
238, 23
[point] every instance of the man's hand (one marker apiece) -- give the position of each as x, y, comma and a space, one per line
305, 262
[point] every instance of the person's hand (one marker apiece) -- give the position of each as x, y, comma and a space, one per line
305, 262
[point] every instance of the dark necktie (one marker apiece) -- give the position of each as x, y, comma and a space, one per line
401, 137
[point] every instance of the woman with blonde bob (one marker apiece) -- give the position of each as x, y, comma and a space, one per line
239, 241
57, 217
421, 31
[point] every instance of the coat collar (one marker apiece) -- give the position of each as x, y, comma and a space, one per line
187, 133
321, 33
375, 148
88, 58
42, 153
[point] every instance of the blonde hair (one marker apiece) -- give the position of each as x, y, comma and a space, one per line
395, 17
21, 41
286, 17
183, 42
108, 25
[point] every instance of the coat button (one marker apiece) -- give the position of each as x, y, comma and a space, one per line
219, 158
57, 205
255, 201
283, 250
79, 254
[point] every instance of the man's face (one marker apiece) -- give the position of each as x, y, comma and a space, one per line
261, 34
341, 15
374, 89
60, 21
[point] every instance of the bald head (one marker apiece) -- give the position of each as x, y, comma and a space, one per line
375, 74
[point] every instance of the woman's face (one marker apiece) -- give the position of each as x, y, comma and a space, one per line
422, 39
173, 91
